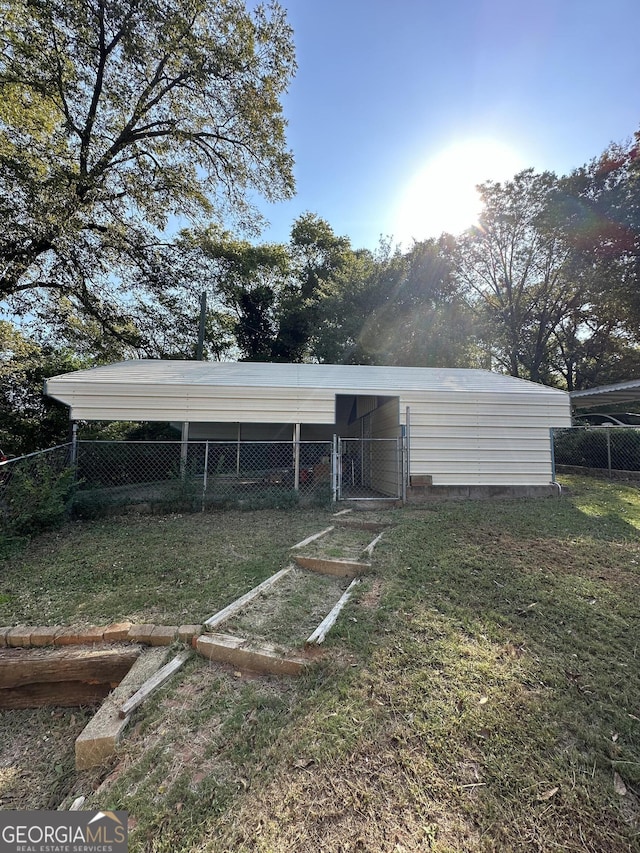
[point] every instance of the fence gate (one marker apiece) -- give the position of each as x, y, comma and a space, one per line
370, 469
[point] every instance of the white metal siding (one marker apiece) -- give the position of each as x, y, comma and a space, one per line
468, 427
484, 438
384, 469
172, 403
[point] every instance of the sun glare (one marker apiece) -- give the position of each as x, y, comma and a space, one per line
442, 196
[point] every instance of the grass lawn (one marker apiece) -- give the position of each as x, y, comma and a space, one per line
480, 693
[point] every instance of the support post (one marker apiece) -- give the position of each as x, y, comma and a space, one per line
407, 448
238, 451
74, 445
402, 464
334, 469
296, 457
184, 447
202, 326
205, 473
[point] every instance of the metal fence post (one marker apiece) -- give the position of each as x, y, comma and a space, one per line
296, 457
74, 444
553, 454
184, 449
608, 434
334, 469
206, 471
407, 447
403, 463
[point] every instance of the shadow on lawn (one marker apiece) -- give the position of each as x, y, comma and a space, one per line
529, 621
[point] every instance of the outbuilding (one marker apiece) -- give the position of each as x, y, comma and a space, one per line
460, 431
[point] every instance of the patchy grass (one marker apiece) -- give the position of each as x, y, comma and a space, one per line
167, 569
287, 614
479, 693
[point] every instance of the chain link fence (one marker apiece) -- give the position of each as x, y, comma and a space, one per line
35, 490
602, 451
92, 478
193, 475
370, 468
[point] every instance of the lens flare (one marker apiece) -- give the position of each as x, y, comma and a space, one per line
442, 196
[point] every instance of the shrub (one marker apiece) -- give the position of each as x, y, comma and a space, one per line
38, 498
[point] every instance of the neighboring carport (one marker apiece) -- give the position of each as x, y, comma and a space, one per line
615, 395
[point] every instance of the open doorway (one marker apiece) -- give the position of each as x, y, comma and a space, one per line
370, 447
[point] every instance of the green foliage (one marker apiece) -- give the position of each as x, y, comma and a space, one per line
272, 498
273, 294
29, 421
593, 448
597, 211
127, 431
553, 271
38, 498
514, 266
322, 495
394, 308
115, 116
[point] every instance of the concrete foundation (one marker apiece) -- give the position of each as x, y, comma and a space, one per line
428, 493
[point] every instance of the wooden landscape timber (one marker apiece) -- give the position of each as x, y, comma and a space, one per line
327, 623
25, 636
369, 549
239, 603
337, 568
100, 737
313, 537
240, 653
65, 676
153, 683
363, 524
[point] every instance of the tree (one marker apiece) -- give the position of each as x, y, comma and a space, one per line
271, 292
393, 308
428, 322
318, 257
246, 282
116, 115
30, 421
596, 211
516, 266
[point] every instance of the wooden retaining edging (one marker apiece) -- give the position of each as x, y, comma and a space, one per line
337, 568
99, 738
28, 637
240, 653
65, 677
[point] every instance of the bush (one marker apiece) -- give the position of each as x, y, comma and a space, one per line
276, 498
322, 495
38, 498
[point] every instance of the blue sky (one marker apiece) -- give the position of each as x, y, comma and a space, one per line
399, 108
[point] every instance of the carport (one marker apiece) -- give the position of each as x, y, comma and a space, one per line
458, 428
607, 395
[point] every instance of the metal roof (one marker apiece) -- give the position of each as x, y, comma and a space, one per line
353, 378
621, 392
